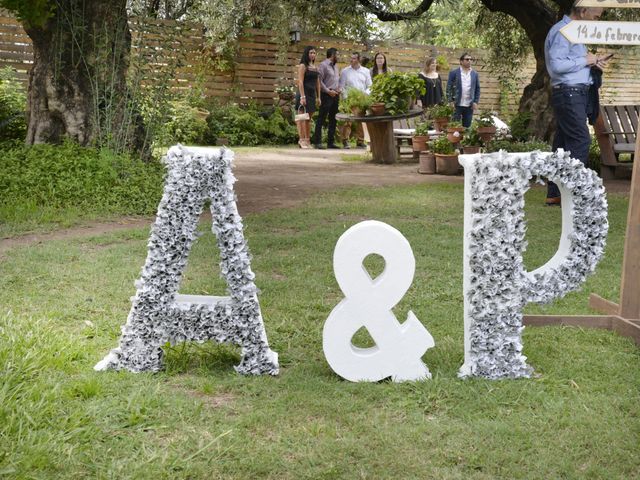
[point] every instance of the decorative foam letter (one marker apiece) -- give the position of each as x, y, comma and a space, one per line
158, 313
496, 286
368, 304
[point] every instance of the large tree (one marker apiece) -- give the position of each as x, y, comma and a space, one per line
536, 18
77, 85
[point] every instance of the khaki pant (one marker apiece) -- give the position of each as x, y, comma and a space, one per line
346, 130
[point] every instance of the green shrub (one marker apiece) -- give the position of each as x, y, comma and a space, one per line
248, 126
519, 126
69, 176
513, 147
13, 106
594, 154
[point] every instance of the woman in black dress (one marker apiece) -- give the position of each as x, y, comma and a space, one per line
433, 82
308, 95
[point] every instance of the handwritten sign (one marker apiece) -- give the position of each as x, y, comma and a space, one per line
609, 3
603, 33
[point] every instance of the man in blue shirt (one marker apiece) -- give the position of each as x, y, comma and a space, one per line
569, 66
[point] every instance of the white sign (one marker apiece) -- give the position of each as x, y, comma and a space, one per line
368, 303
609, 3
603, 33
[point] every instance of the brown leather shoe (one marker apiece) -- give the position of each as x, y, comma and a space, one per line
552, 201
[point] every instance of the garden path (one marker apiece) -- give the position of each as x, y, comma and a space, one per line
279, 178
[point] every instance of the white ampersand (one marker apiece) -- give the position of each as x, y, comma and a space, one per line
368, 302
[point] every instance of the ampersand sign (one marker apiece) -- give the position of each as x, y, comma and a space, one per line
368, 303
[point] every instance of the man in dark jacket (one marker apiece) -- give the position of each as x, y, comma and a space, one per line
463, 90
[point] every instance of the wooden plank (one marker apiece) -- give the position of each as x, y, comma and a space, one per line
627, 328
630, 284
621, 110
586, 321
602, 305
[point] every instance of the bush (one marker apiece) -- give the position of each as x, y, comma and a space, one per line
13, 106
248, 126
70, 176
513, 147
594, 154
519, 126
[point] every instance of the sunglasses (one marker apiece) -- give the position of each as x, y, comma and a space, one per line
468, 59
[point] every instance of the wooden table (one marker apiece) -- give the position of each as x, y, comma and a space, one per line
380, 129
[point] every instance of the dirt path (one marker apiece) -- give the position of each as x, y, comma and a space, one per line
279, 178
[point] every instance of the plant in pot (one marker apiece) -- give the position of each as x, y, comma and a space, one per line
396, 90
421, 136
357, 102
446, 156
440, 114
485, 127
427, 161
455, 132
285, 92
471, 142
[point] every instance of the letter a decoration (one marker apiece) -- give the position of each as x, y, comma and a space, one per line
158, 313
496, 285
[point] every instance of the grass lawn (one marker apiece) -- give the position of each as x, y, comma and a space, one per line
62, 303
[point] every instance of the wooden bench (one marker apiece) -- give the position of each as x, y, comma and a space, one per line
404, 124
615, 131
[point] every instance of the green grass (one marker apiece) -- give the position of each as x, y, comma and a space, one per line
62, 304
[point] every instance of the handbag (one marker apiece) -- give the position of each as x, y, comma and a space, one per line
301, 117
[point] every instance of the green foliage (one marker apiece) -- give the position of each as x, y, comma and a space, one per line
485, 119
185, 124
471, 138
422, 128
512, 147
356, 99
13, 106
594, 154
519, 126
70, 176
454, 124
396, 89
247, 125
31, 12
441, 110
442, 146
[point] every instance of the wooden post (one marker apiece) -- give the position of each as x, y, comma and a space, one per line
624, 317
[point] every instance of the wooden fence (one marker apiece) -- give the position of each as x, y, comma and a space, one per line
177, 51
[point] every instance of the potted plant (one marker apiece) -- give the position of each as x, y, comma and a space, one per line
396, 90
485, 127
285, 92
357, 102
427, 161
440, 114
446, 156
471, 142
421, 136
455, 132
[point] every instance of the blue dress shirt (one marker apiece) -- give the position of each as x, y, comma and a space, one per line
566, 62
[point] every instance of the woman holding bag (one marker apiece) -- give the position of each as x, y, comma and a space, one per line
308, 96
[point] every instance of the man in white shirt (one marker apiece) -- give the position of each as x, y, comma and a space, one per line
354, 76
463, 90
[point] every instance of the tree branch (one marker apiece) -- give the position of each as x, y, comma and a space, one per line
384, 16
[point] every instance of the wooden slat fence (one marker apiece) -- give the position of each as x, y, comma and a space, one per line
177, 52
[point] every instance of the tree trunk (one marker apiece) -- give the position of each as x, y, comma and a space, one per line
77, 86
536, 99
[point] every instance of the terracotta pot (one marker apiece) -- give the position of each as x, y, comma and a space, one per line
377, 108
202, 114
440, 123
469, 149
419, 142
486, 133
455, 134
427, 163
287, 97
447, 164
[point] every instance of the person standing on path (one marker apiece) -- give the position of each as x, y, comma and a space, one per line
463, 90
308, 96
330, 98
571, 69
354, 76
433, 94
